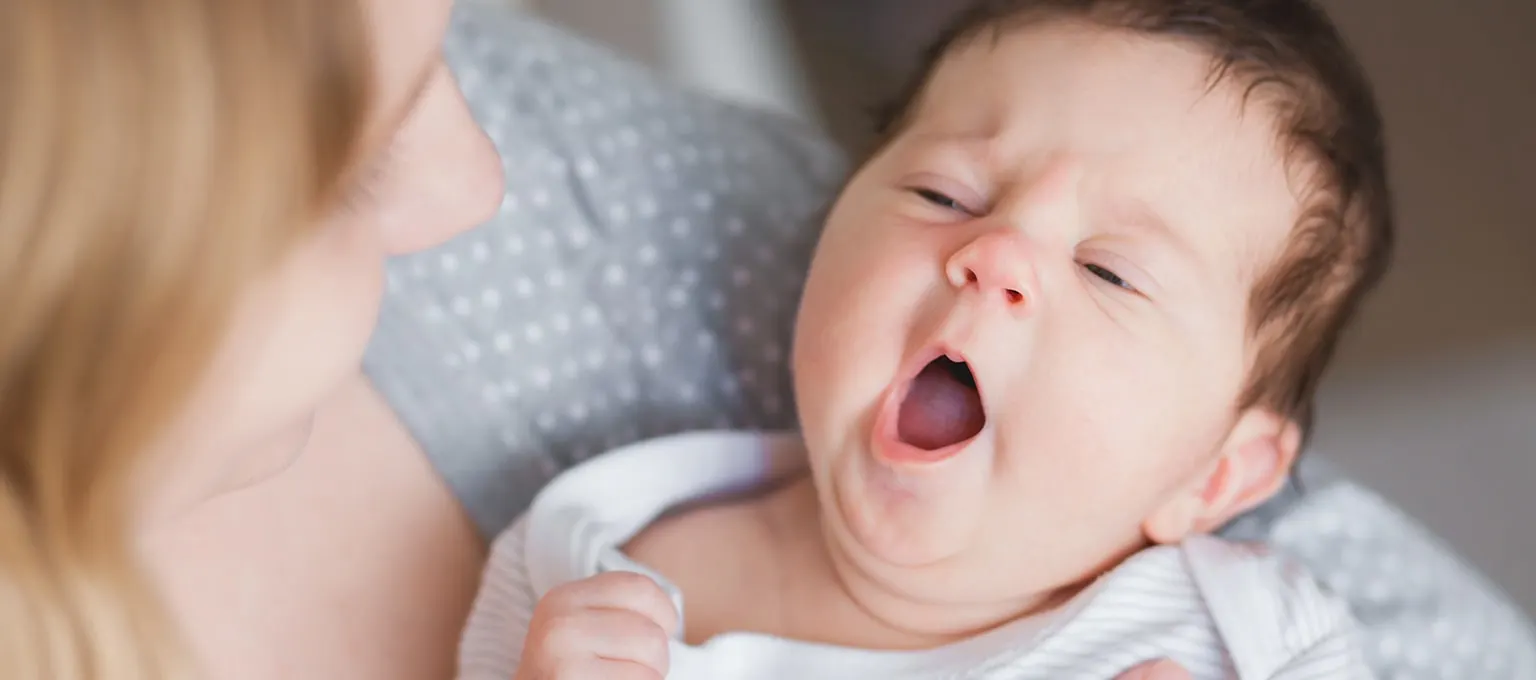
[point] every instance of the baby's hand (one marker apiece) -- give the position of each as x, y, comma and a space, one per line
614, 626
1156, 670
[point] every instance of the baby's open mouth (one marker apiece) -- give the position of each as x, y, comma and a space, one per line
942, 406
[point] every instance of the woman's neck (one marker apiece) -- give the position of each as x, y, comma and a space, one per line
195, 472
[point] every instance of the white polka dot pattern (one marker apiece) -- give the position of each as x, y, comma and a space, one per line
641, 278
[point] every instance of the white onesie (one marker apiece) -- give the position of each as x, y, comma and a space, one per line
1220, 609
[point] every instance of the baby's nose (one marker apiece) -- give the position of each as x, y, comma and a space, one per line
997, 265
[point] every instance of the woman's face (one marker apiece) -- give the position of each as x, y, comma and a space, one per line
299, 333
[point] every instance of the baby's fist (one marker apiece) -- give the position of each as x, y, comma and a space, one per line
614, 626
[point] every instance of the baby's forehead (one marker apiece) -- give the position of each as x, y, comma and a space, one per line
1143, 117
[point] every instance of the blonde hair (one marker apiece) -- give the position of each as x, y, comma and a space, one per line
155, 157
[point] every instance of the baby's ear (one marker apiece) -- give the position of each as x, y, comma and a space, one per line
1252, 465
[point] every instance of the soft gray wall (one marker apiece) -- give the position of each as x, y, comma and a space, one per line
1435, 400
735, 48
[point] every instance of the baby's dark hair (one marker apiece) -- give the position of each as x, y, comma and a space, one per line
1288, 56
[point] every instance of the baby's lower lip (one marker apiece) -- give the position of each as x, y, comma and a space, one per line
896, 452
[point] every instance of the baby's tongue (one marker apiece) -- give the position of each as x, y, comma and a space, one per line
939, 410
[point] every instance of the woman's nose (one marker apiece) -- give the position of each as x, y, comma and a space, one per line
998, 267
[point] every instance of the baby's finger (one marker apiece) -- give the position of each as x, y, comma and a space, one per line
619, 590
611, 634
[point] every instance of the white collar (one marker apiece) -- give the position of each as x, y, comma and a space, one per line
577, 523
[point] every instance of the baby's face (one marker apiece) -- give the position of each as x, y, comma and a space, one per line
1025, 328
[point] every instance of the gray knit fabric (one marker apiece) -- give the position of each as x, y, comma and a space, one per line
641, 279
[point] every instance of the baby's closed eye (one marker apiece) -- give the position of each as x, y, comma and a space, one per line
939, 199
1108, 276
946, 194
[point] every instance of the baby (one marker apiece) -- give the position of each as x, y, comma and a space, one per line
1067, 321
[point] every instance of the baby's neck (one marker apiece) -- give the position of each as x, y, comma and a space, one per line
762, 565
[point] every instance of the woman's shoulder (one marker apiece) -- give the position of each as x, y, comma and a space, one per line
359, 518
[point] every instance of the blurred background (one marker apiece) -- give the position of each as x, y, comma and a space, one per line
1433, 402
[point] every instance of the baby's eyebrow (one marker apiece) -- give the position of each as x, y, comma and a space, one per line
1138, 221
1139, 214
978, 146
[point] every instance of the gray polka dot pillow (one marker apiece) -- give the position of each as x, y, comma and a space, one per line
641, 279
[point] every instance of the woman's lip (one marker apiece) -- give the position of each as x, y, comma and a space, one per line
885, 440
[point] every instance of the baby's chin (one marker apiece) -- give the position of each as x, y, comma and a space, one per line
908, 517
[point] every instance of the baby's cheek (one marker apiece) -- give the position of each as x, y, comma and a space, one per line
863, 289
1154, 432
1096, 419
853, 332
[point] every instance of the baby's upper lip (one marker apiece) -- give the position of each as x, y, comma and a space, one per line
954, 353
